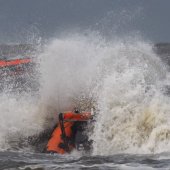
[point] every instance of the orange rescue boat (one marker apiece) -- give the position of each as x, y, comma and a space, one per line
59, 141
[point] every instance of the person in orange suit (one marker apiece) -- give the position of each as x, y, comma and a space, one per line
64, 135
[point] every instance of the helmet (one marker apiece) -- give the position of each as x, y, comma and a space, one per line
76, 110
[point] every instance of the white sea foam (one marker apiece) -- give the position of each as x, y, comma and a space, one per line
20, 117
122, 79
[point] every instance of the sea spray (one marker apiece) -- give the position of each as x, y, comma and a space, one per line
130, 104
69, 68
122, 79
20, 118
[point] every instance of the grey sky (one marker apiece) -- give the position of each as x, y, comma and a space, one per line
20, 18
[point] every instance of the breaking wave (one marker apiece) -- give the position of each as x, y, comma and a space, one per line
124, 80
133, 105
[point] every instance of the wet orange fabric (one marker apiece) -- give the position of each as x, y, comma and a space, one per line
56, 139
76, 117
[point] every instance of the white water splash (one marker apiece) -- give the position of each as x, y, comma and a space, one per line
122, 79
133, 112
20, 118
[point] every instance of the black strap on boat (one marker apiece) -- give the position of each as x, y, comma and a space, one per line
63, 134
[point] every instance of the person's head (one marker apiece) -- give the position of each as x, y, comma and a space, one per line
76, 110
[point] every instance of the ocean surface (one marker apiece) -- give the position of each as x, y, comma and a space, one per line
125, 81
39, 161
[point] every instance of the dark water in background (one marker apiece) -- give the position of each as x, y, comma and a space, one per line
37, 161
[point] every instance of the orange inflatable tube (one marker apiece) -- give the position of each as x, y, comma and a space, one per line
4, 63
